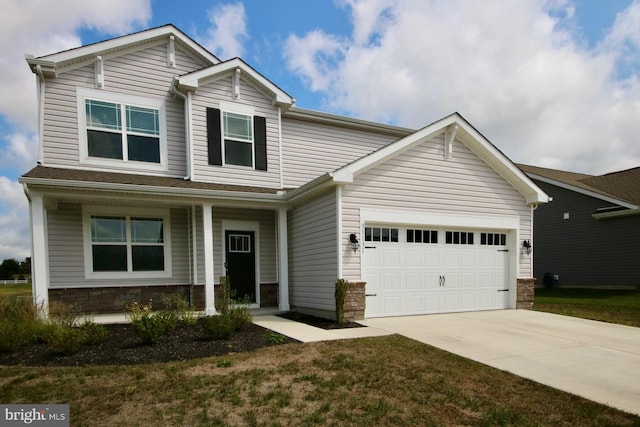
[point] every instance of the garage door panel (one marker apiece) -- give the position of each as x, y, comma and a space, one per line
432, 277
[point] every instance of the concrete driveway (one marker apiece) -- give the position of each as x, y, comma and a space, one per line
596, 360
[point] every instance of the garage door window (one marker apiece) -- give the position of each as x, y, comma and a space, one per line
380, 234
422, 236
459, 238
493, 239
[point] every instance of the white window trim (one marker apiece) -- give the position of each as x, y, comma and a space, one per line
245, 110
82, 94
90, 210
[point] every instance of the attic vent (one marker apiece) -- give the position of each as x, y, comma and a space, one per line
449, 137
99, 73
171, 52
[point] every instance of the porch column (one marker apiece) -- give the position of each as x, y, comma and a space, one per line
39, 267
207, 225
283, 260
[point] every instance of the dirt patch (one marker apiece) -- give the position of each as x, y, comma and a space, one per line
318, 322
123, 347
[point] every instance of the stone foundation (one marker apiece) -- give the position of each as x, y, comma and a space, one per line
354, 302
114, 299
526, 293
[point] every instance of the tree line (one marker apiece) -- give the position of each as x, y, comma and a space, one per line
13, 269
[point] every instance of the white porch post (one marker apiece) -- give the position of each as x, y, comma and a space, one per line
283, 260
207, 225
39, 267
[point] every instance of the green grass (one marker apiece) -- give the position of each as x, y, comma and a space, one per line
373, 381
16, 290
613, 306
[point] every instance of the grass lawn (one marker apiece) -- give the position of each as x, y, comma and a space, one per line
372, 381
613, 306
16, 290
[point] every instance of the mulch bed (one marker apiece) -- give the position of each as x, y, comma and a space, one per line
123, 347
318, 322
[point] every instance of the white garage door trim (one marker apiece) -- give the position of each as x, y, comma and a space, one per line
449, 300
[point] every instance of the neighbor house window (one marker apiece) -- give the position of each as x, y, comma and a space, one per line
123, 132
126, 245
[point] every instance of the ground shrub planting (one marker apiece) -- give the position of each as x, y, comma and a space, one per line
218, 327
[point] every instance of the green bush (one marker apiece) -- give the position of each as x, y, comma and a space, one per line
20, 324
218, 327
150, 329
178, 304
92, 333
240, 316
342, 286
65, 339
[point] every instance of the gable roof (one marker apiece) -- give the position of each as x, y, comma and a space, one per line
621, 188
192, 81
456, 126
69, 59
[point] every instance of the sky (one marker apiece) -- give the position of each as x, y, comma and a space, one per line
551, 83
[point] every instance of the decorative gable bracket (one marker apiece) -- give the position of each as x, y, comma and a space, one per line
449, 136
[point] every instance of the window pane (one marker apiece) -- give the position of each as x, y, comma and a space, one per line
104, 144
147, 258
394, 234
109, 258
237, 126
103, 114
409, 236
367, 234
146, 230
418, 236
143, 120
434, 236
143, 148
238, 153
108, 229
449, 237
503, 239
385, 234
376, 234
469, 238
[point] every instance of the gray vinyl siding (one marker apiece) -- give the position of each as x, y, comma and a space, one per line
143, 73
312, 149
267, 236
66, 250
210, 95
420, 180
584, 251
312, 229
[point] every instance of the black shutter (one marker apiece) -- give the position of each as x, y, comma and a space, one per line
260, 142
214, 136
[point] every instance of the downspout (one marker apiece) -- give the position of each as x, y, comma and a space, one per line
40, 87
187, 124
534, 206
280, 147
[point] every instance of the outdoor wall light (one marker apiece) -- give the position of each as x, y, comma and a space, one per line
355, 244
526, 245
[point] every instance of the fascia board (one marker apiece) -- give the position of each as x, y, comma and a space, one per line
617, 214
120, 42
310, 188
582, 191
154, 190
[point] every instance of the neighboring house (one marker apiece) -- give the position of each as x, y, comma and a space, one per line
162, 168
589, 236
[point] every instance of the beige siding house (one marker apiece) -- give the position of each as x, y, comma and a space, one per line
162, 169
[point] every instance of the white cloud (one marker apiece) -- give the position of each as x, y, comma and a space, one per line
20, 151
228, 31
14, 222
517, 70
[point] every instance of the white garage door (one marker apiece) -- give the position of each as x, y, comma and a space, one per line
412, 270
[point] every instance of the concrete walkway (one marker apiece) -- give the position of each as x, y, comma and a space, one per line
596, 360
306, 333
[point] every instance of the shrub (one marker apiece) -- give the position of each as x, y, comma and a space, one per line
65, 339
224, 303
150, 329
178, 304
64, 314
20, 324
218, 327
92, 333
342, 286
240, 316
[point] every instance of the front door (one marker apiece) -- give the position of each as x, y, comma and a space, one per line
241, 264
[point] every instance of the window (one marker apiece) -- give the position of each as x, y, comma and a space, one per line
123, 129
380, 234
123, 132
493, 239
422, 236
238, 139
239, 243
119, 245
459, 238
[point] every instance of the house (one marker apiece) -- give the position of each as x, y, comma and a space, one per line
588, 235
162, 168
